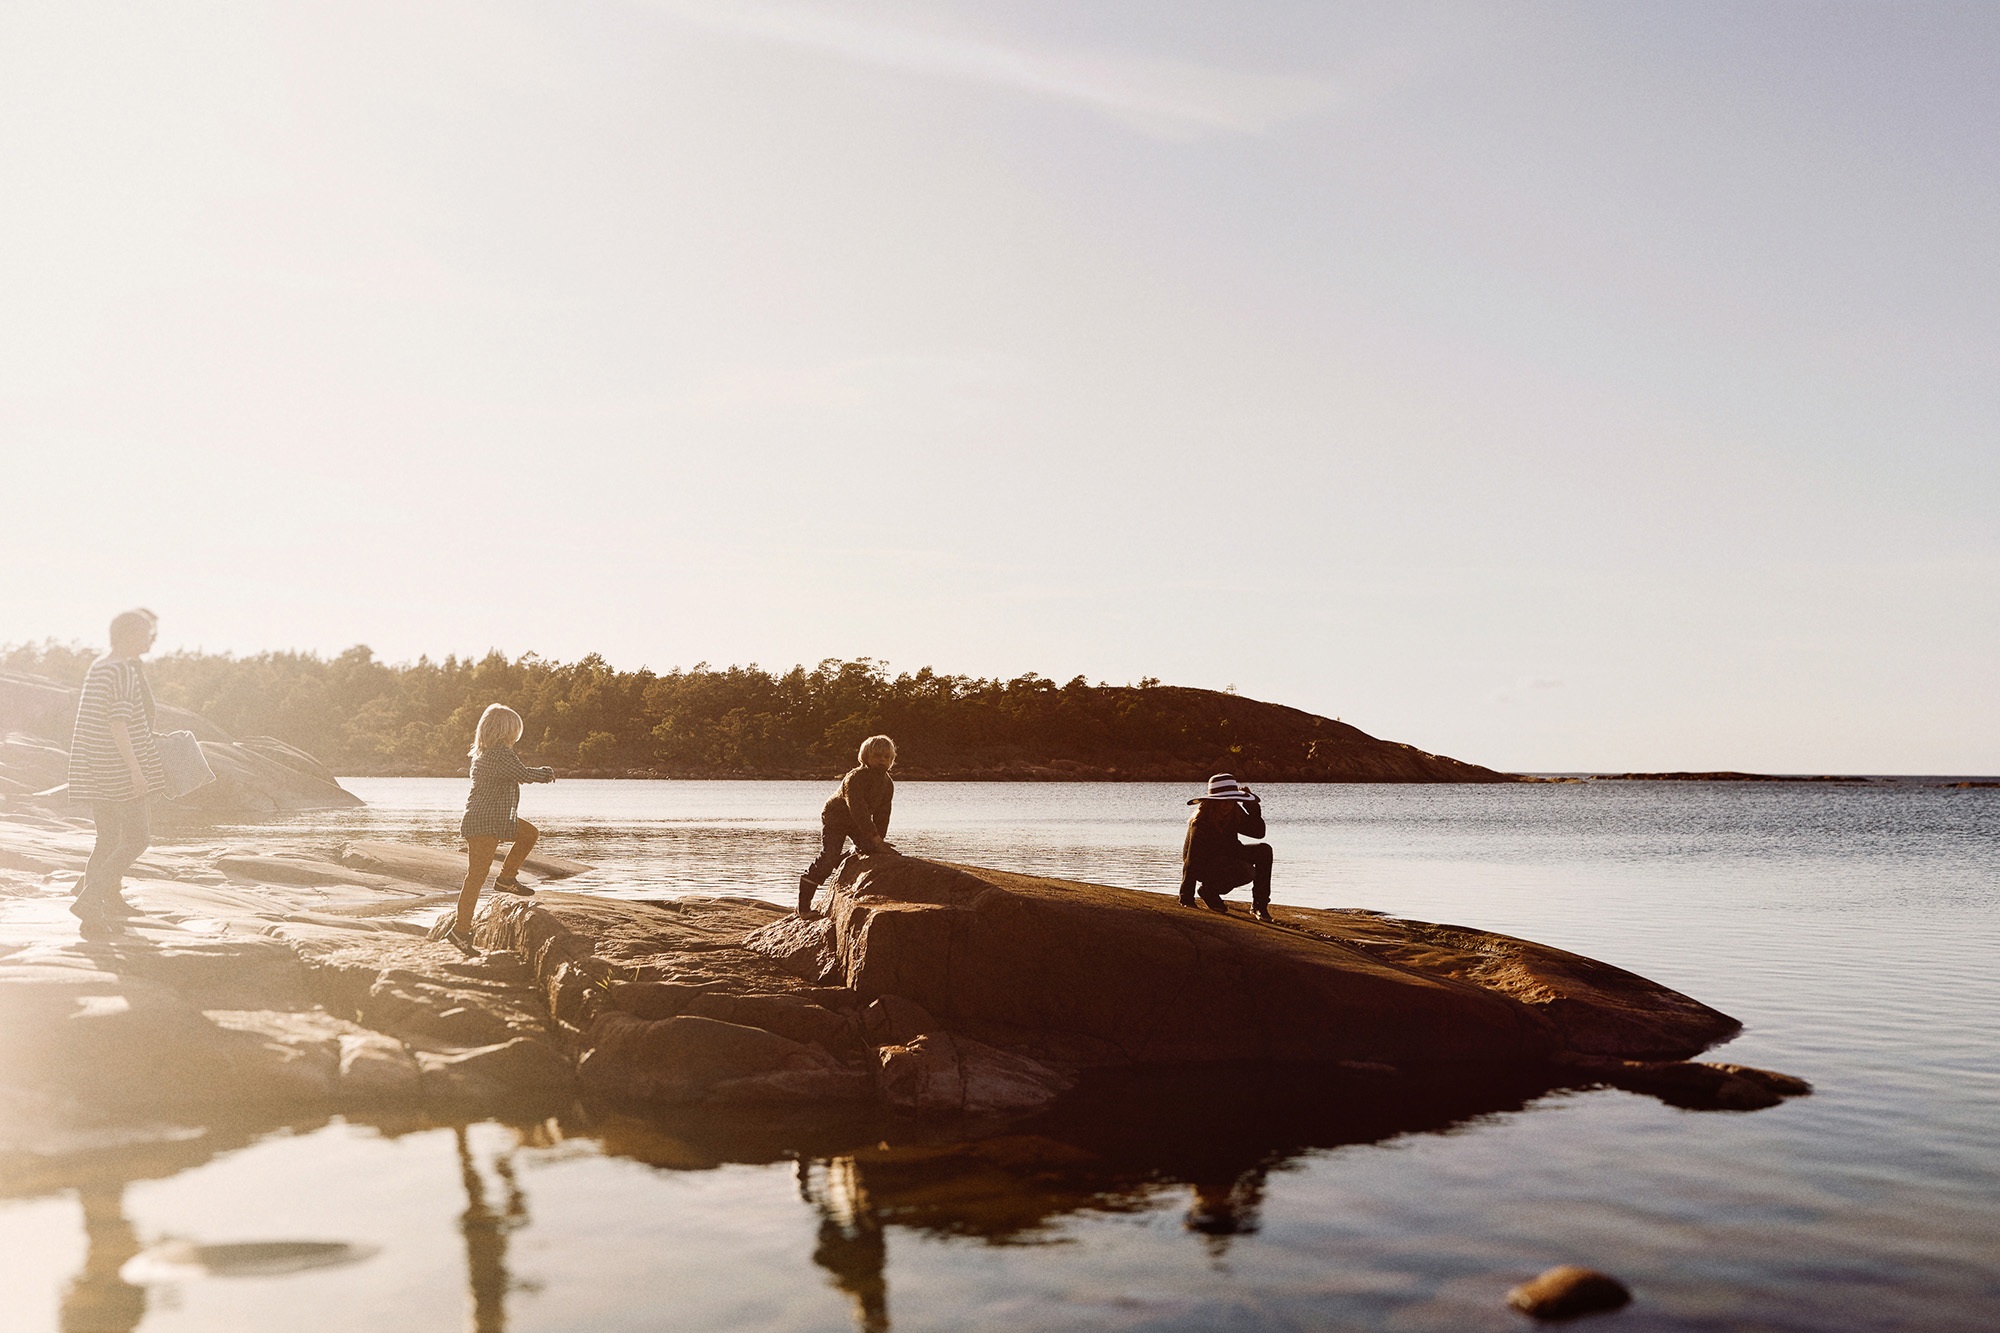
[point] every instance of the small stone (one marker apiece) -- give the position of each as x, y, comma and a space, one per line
1567, 1291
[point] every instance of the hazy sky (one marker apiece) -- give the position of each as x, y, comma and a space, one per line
1553, 386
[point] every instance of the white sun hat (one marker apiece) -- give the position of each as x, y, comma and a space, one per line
1223, 787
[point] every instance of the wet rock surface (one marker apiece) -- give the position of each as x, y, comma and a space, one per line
248, 979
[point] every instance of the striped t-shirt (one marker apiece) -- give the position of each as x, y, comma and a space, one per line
114, 691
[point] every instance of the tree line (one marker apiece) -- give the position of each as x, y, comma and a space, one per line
361, 715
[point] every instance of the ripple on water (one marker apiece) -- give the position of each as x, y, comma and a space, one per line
1851, 929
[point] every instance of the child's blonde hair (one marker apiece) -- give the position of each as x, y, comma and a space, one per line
498, 725
876, 745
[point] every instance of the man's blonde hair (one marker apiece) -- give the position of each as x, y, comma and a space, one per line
498, 725
877, 745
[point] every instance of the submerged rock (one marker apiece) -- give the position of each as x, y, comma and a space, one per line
1693, 1086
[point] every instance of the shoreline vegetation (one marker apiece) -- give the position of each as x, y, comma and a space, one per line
366, 718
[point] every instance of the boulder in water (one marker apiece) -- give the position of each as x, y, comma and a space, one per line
1568, 1291
1081, 975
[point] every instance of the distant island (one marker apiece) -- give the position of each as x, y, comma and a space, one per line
365, 717
1728, 775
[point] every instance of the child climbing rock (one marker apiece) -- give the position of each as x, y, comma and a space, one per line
491, 813
858, 811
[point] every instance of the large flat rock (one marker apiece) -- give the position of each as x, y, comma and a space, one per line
962, 990
1088, 975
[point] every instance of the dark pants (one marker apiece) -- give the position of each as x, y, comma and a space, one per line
832, 840
123, 833
1254, 869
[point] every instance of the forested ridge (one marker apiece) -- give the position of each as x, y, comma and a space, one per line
363, 716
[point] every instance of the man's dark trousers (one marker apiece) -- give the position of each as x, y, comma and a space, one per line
1254, 869
832, 840
123, 832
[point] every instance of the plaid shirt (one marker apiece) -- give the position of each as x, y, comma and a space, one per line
497, 775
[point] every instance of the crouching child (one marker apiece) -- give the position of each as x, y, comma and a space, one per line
858, 812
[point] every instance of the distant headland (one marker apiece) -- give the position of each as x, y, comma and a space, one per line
361, 716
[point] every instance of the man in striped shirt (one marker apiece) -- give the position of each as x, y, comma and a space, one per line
114, 765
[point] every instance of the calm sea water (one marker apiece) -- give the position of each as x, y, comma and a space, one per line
1853, 930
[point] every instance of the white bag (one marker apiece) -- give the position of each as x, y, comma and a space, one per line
186, 766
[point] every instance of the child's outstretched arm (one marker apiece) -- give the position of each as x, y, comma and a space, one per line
513, 769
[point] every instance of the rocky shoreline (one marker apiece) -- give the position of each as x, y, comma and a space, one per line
259, 981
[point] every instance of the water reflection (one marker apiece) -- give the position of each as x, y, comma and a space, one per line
850, 1245
486, 1229
1199, 1144
1220, 1212
104, 1163
99, 1299
1124, 1143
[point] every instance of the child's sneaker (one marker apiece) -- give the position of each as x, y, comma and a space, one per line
445, 930
513, 886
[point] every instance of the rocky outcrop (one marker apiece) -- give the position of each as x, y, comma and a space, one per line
1082, 976
256, 977
255, 775
662, 1005
926, 1070
933, 989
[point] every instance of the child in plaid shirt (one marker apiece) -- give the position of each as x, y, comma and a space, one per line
491, 814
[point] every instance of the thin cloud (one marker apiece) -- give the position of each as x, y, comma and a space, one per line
1175, 99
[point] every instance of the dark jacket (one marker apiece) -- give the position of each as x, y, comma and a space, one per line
1211, 851
861, 807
